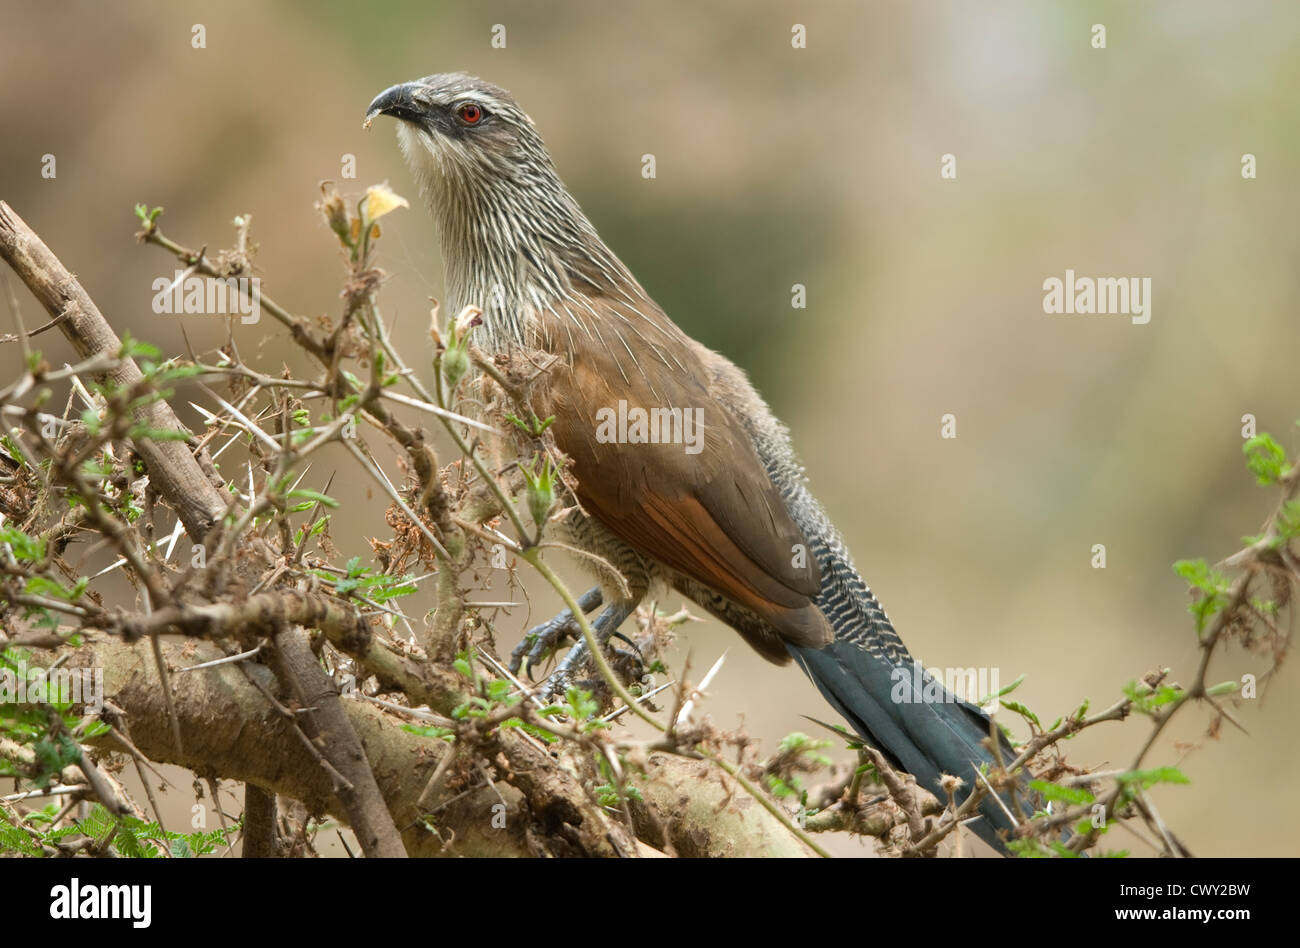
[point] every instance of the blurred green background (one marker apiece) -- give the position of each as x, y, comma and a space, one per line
818, 166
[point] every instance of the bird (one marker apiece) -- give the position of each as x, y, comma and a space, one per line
683, 477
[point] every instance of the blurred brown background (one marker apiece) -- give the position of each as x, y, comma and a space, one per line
818, 166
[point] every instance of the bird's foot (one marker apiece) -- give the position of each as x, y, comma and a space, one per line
578, 670
542, 641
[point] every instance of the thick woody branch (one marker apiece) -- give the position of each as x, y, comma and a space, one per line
261, 841
179, 478
323, 718
231, 731
172, 468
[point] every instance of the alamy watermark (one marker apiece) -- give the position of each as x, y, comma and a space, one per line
635, 425
1103, 296
189, 294
920, 685
20, 684
133, 902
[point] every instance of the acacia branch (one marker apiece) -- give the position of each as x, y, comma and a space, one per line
172, 468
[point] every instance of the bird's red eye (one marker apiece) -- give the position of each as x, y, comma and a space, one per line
470, 114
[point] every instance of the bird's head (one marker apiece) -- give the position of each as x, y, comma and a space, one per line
460, 132
513, 237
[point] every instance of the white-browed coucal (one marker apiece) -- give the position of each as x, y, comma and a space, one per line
732, 524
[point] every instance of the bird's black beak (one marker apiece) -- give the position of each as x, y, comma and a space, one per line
398, 101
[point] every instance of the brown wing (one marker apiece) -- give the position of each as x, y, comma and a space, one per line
711, 514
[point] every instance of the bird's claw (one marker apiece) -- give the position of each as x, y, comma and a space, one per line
579, 671
541, 642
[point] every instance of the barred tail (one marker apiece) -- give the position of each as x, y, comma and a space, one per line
868, 676
925, 739
866, 672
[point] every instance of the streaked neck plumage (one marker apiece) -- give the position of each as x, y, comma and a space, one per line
514, 241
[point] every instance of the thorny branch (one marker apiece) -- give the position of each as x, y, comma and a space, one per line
264, 571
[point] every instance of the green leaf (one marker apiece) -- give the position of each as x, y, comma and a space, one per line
1146, 700
780, 788
133, 348
1005, 691
801, 744
1055, 793
1212, 584
24, 547
147, 217
538, 732
534, 427
10, 447
42, 586
1149, 778
1023, 711
317, 498
1265, 459
430, 730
